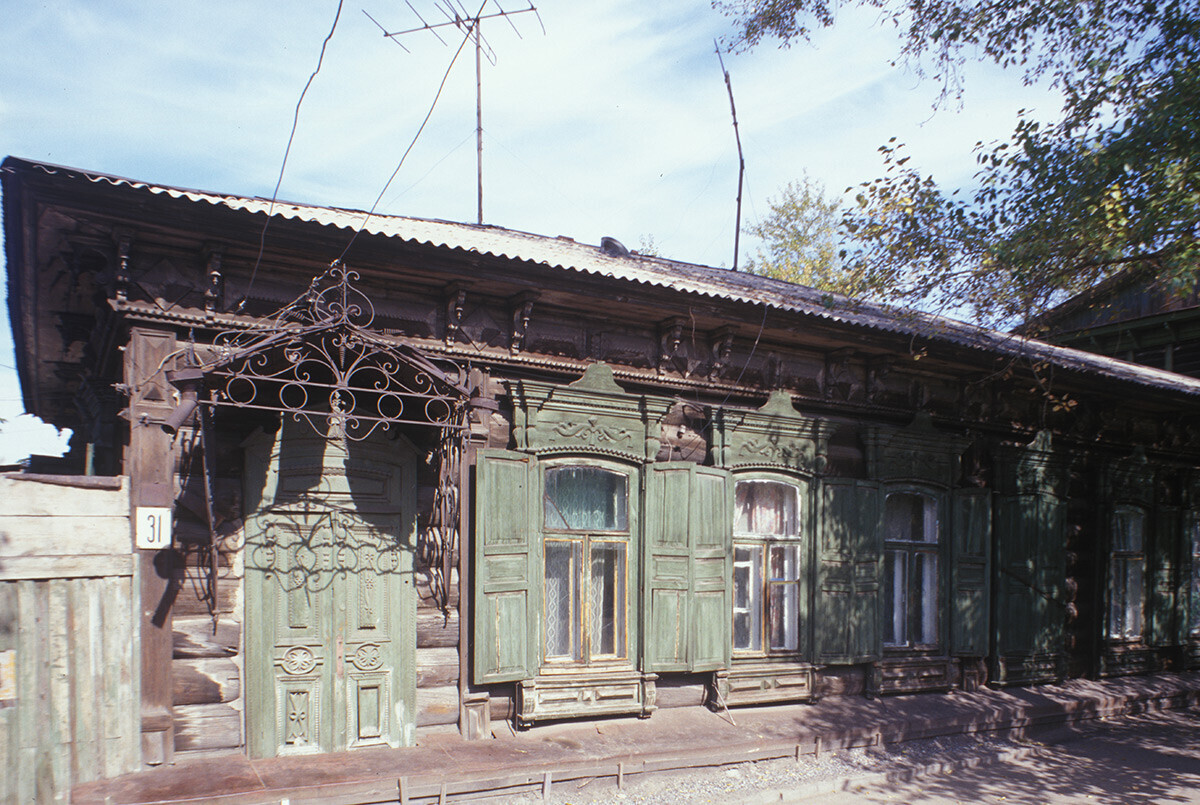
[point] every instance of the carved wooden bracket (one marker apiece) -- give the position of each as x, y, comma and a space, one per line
722, 349
838, 378
522, 309
456, 301
878, 372
124, 243
670, 336
214, 294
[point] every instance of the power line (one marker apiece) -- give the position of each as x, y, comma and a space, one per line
262, 238
404, 156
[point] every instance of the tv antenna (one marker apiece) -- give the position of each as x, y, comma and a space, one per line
471, 25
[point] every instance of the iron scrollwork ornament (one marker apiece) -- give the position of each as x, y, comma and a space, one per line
319, 360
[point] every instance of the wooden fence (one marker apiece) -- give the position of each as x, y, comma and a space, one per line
69, 668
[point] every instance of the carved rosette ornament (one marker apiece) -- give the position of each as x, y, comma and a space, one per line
368, 657
299, 660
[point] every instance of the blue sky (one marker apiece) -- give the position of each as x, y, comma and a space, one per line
615, 121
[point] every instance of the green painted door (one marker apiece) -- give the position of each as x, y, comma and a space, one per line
330, 603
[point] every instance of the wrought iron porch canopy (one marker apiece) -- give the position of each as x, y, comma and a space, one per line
318, 359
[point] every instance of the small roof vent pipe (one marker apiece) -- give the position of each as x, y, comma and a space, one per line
613, 247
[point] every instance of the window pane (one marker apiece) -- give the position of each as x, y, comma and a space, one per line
925, 586
563, 600
895, 584
586, 499
1127, 529
747, 598
606, 600
783, 613
766, 508
1126, 616
909, 517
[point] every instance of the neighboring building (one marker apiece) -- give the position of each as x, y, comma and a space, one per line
436, 473
1134, 316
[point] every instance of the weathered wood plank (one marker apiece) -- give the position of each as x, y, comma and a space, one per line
120, 712
51, 497
437, 667
8, 711
65, 535
207, 726
205, 681
436, 630
437, 706
57, 726
188, 602
194, 637
82, 676
29, 660
65, 567
672, 693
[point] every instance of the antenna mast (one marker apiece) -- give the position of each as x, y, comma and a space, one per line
737, 232
470, 25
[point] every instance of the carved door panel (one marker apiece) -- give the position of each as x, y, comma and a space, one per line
330, 605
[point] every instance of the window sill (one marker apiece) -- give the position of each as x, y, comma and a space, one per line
585, 692
764, 679
914, 674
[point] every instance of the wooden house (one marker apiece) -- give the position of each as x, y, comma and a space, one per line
420, 475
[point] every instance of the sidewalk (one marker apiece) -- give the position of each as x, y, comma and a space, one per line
445, 766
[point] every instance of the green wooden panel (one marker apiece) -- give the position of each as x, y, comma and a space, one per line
507, 596
711, 531
970, 548
1051, 576
1031, 574
330, 598
687, 557
1166, 601
847, 627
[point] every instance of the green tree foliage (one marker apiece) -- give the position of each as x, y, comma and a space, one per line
1114, 182
799, 240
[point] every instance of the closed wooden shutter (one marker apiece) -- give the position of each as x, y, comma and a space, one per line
687, 561
970, 547
507, 590
849, 549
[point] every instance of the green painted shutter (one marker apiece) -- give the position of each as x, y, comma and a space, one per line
1162, 600
1016, 529
1050, 577
849, 548
507, 597
687, 556
970, 547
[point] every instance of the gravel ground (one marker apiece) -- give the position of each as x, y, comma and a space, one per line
773, 780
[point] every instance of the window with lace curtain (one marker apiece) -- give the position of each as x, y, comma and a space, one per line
766, 567
1127, 584
586, 553
911, 583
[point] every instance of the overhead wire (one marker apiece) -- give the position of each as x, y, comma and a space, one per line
262, 238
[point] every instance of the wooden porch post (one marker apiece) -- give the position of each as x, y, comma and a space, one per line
150, 465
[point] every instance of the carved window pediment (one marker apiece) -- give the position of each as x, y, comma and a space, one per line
918, 452
775, 436
591, 415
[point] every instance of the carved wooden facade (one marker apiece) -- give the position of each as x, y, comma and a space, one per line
663, 484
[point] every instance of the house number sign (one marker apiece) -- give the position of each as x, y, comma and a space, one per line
153, 530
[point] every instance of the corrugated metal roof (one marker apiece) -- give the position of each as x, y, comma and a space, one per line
566, 254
